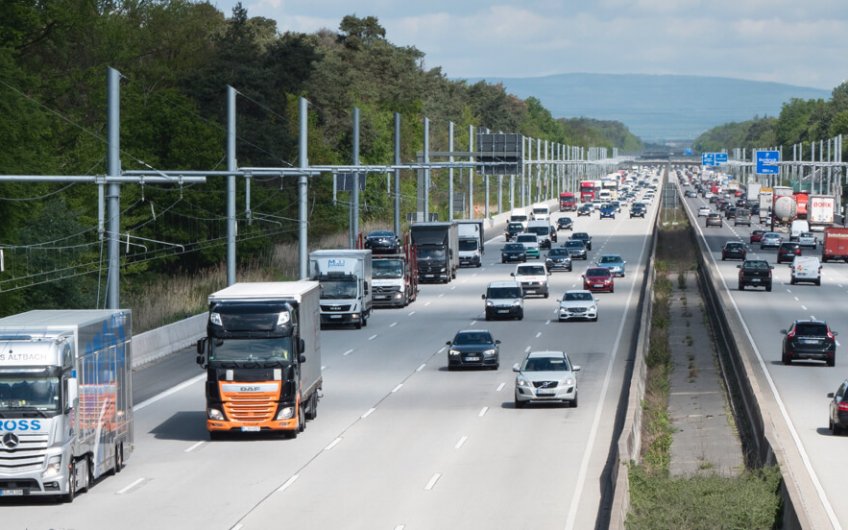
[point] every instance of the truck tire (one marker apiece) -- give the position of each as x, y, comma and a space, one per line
358, 324
72, 485
312, 407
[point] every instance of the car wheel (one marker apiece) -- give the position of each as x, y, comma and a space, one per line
741, 287
519, 404
503, 260
722, 258
488, 318
792, 280
831, 361
818, 281
495, 367
786, 359
574, 401
768, 288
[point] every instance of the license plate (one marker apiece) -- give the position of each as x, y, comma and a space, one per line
11, 493
472, 358
335, 316
429, 275
503, 310
599, 286
545, 392
250, 428
809, 341
756, 280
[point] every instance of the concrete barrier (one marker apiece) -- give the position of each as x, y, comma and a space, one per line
160, 342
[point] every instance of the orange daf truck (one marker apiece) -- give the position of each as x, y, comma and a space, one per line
262, 356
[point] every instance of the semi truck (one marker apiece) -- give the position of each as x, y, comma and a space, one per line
835, 243
820, 211
262, 356
753, 192
802, 200
766, 198
567, 202
470, 233
345, 278
395, 278
66, 411
437, 250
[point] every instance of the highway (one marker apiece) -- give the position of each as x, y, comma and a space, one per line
399, 442
798, 390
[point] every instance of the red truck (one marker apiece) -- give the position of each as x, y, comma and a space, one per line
835, 244
567, 201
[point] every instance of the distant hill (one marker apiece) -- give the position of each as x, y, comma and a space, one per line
657, 107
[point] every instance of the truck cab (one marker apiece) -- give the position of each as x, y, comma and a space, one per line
345, 277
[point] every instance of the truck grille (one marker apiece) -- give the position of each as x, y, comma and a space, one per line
387, 289
27, 456
335, 308
253, 407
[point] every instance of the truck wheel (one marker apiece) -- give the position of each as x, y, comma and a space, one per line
364, 320
312, 407
119, 459
358, 325
72, 485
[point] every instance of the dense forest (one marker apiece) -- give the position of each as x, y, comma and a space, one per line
176, 58
799, 121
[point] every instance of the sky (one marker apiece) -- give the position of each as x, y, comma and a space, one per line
798, 42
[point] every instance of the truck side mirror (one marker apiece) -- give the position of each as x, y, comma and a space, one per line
73, 392
301, 345
366, 287
483, 297
201, 345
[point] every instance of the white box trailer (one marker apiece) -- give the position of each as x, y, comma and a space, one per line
65, 400
345, 278
262, 357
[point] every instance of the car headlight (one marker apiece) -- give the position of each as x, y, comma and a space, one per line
522, 382
214, 414
54, 466
489, 353
442, 269
215, 319
568, 382
489, 303
516, 303
286, 413
593, 308
453, 353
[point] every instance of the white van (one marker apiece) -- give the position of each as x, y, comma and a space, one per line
533, 278
541, 212
805, 269
519, 216
798, 226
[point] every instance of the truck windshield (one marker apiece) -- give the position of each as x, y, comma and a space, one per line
234, 350
387, 268
425, 253
26, 391
338, 289
467, 244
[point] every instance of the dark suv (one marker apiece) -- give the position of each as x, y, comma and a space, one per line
512, 230
382, 242
787, 251
584, 237
755, 273
473, 347
809, 339
839, 409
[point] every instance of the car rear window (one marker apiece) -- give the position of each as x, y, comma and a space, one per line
756, 265
811, 328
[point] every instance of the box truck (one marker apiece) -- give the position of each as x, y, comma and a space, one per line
437, 250
66, 412
820, 211
262, 356
470, 233
345, 278
835, 243
766, 198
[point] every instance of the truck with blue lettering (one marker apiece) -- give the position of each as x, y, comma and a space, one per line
262, 356
346, 290
66, 415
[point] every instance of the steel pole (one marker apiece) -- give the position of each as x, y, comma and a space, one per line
113, 169
303, 221
231, 185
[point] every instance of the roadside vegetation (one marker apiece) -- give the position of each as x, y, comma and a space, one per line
706, 501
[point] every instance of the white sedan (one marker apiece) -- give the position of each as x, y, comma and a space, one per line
703, 211
807, 239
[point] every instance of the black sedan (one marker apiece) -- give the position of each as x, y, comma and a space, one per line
585, 209
565, 223
839, 409
638, 210
734, 250
382, 242
513, 252
809, 339
473, 347
558, 259
584, 237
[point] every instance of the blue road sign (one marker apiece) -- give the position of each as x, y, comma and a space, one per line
720, 158
707, 159
767, 162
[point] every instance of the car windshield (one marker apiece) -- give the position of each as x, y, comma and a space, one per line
529, 238
472, 337
431, 253
533, 270
602, 273
539, 230
564, 220
578, 297
810, 328
574, 244
806, 234
514, 246
504, 292
580, 235
546, 364
557, 252
610, 259
517, 227
771, 235
383, 234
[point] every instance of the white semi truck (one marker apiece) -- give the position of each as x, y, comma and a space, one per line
66, 415
262, 356
345, 278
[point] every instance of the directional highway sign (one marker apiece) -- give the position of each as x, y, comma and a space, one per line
720, 158
707, 159
767, 162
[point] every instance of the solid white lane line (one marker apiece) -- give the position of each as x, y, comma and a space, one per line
131, 486
461, 442
393, 324
432, 483
173, 390
237, 527
368, 413
195, 446
395, 389
345, 354
483, 412
421, 367
333, 444
287, 483
500, 387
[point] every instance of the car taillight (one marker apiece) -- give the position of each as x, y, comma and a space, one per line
791, 334
843, 406
830, 335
